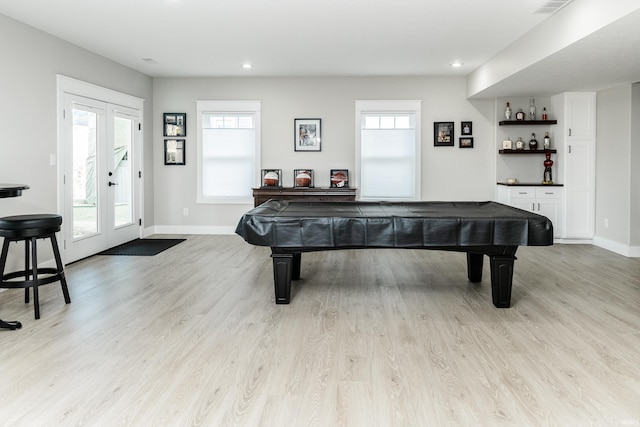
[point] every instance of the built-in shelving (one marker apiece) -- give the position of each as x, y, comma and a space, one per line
527, 122
553, 151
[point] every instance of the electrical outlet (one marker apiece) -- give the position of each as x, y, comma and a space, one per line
185, 211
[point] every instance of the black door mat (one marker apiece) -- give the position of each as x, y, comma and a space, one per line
142, 247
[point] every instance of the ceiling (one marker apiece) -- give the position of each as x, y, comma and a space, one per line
212, 38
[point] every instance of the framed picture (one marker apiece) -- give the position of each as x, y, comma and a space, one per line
466, 142
443, 134
339, 178
272, 177
303, 178
174, 124
307, 134
174, 152
466, 128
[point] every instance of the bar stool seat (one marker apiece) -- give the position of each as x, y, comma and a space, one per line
29, 228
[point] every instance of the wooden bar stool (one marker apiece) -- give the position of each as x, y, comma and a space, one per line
29, 228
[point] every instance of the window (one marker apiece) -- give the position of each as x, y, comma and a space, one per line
228, 150
388, 150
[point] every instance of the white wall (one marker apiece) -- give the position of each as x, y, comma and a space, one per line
612, 163
634, 161
449, 173
28, 118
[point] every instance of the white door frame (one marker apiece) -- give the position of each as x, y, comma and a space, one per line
66, 85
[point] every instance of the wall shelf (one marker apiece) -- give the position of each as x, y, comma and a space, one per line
527, 122
553, 151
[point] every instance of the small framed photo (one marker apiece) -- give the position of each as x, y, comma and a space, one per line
339, 178
174, 153
303, 178
466, 128
307, 134
272, 177
466, 142
443, 134
174, 124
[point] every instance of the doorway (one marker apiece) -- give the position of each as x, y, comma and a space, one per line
100, 158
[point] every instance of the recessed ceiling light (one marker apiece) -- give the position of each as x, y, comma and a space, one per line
246, 66
456, 64
149, 60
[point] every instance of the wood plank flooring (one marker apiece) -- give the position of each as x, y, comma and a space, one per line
192, 337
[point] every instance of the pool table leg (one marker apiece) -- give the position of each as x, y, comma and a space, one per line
285, 268
474, 267
502, 278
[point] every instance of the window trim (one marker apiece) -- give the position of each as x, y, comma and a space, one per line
385, 107
207, 106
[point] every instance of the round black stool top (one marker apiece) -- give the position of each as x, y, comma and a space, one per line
29, 225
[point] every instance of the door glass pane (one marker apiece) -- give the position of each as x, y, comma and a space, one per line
85, 197
122, 128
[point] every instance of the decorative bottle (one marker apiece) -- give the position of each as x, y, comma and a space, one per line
520, 115
547, 141
544, 113
532, 109
519, 144
507, 112
533, 142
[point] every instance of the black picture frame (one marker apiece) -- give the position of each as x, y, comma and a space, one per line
174, 124
339, 178
466, 128
465, 142
271, 178
307, 134
300, 178
174, 152
443, 134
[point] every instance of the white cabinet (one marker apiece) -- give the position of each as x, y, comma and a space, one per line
576, 146
542, 200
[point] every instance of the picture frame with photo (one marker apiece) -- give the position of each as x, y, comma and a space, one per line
174, 152
174, 124
465, 142
271, 178
466, 128
303, 178
339, 178
443, 134
307, 134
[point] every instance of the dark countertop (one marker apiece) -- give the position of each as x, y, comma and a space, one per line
530, 184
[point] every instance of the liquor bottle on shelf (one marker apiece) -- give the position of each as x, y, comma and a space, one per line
519, 144
547, 141
520, 115
507, 112
532, 109
544, 113
533, 142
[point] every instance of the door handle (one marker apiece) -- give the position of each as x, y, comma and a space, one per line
112, 183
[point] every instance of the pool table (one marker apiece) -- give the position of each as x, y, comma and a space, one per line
476, 228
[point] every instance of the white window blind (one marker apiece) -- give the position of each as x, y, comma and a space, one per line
388, 150
228, 150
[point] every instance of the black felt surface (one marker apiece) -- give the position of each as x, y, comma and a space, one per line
142, 247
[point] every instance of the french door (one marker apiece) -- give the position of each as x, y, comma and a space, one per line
101, 168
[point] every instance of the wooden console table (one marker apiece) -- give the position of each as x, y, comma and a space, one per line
262, 194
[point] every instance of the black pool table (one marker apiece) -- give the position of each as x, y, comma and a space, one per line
477, 228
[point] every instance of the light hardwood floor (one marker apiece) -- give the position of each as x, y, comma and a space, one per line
371, 338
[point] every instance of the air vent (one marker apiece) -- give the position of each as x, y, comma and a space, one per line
552, 6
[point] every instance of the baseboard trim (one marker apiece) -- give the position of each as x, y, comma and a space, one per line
187, 229
617, 247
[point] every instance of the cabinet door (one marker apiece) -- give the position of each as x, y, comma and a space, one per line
580, 115
579, 186
524, 204
549, 208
